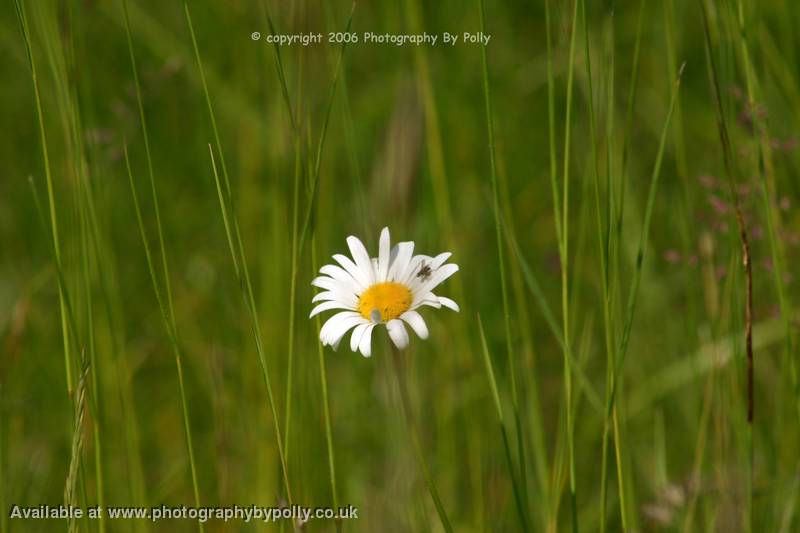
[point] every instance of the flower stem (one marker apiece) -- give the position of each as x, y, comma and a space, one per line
399, 368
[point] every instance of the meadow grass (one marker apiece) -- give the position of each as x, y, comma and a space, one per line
616, 181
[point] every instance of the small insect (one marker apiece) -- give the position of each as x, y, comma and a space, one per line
424, 272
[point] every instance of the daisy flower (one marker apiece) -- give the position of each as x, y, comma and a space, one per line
386, 290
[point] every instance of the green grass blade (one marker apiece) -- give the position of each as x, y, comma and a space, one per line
241, 271
150, 173
400, 373
171, 330
310, 210
280, 70
732, 181
70, 486
544, 307
771, 211
237, 250
564, 261
521, 507
23, 22
512, 370
551, 123
298, 247
626, 143
642, 249
326, 410
168, 309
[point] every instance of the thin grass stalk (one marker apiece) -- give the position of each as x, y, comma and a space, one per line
133, 453
307, 222
326, 410
608, 302
349, 135
292, 294
408, 415
76, 449
72, 327
437, 172
697, 464
626, 143
61, 58
23, 21
171, 331
435, 152
72, 112
280, 70
759, 132
523, 312
530, 279
107, 289
94, 403
73, 330
299, 173
641, 252
771, 213
642, 248
241, 271
614, 241
616, 235
501, 260
240, 264
732, 180
544, 307
608, 327
564, 261
551, 122
106, 275
518, 493
148, 157
168, 309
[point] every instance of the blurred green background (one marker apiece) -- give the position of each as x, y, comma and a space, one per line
406, 147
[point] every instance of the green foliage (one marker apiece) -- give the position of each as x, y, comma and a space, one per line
593, 209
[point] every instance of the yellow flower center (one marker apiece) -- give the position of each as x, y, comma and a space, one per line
390, 299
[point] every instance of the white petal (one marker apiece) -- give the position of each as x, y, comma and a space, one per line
342, 276
384, 246
325, 306
330, 284
439, 260
425, 298
450, 304
341, 330
412, 269
337, 331
400, 261
361, 257
365, 346
332, 323
438, 276
398, 333
417, 323
355, 339
339, 296
335, 345
352, 269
